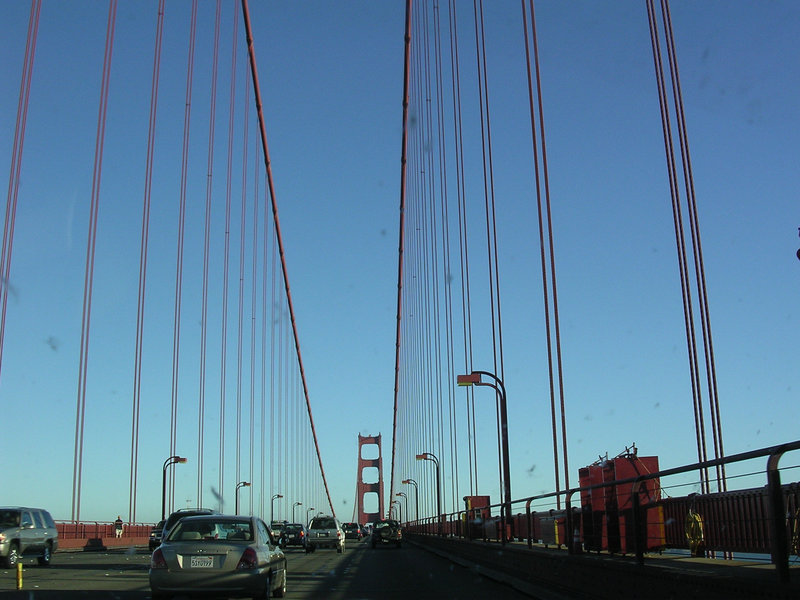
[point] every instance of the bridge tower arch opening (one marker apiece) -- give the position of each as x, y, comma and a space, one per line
372, 485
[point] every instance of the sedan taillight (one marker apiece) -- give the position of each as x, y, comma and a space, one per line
249, 559
157, 560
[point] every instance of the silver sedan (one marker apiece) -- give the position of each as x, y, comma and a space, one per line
218, 555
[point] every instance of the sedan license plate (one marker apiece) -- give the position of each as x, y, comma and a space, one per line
201, 562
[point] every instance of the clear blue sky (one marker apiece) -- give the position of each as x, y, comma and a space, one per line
331, 75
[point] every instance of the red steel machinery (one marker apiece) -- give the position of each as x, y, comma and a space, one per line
607, 512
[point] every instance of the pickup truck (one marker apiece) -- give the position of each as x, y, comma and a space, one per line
325, 532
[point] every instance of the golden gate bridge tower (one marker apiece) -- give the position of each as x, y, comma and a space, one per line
373, 487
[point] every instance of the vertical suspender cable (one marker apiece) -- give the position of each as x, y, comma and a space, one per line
448, 292
90, 252
253, 296
179, 252
489, 208
16, 165
206, 252
240, 328
544, 247
680, 245
694, 224
228, 200
466, 307
266, 491
262, 128
137, 382
403, 161
273, 367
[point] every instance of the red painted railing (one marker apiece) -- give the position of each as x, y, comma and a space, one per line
99, 535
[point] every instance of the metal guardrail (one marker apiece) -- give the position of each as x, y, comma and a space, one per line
456, 523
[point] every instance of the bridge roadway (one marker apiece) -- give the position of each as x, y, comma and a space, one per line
430, 567
360, 572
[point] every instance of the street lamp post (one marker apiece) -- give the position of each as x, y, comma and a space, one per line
308, 515
239, 486
403, 495
272, 508
432, 457
170, 461
416, 490
474, 378
293, 506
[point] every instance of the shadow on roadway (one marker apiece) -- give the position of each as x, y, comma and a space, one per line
75, 595
315, 580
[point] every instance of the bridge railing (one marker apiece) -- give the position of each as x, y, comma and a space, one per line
90, 534
759, 520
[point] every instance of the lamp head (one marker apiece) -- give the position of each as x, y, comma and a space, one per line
468, 380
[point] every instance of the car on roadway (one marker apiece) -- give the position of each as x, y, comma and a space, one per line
218, 555
26, 532
325, 532
155, 535
352, 531
294, 534
179, 514
387, 531
277, 527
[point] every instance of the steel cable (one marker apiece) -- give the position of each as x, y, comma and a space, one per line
16, 164
136, 401
680, 245
90, 254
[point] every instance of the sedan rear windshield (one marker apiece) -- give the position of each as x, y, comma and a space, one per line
211, 530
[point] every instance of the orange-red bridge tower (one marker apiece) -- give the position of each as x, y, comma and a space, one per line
373, 487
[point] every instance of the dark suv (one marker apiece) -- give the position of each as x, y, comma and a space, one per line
179, 514
294, 534
155, 536
26, 532
352, 531
387, 531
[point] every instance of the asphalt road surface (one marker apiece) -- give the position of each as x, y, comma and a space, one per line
360, 573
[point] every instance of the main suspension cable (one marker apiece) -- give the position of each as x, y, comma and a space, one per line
270, 181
